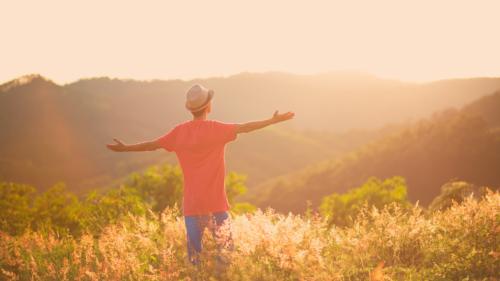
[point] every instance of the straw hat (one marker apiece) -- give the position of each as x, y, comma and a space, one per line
198, 97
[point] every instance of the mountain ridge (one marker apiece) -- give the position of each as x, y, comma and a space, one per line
56, 132
451, 144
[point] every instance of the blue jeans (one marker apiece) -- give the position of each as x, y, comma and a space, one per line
218, 223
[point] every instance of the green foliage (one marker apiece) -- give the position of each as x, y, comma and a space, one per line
56, 209
243, 208
341, 208
15, 207
235, 186
455, 191
466, 241
100, 209
60, 211
159, 186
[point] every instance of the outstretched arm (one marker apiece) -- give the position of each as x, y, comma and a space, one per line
119, 146
255, 125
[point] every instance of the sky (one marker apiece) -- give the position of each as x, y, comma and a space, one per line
406, 40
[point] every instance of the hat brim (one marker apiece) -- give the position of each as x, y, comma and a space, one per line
204, 105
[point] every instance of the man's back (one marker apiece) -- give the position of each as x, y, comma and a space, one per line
199, 146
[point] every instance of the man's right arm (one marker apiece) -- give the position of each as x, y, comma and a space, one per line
255, 125
167, 141
119, 146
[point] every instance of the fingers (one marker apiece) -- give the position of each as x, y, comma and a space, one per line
276, 113
111, 146
115, 146
284, 116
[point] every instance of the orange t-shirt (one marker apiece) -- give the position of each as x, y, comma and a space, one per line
199, 146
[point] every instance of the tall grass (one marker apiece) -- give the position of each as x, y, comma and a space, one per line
461, 243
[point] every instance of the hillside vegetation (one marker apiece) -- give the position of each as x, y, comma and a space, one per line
459, 243
52, 133
463, 145
136, 232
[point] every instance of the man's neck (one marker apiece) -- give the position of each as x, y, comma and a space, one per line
201, 118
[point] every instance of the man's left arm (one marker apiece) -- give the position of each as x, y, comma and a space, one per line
256, 125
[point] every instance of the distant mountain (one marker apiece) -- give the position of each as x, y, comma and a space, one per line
488, 107
453, 144
53, 132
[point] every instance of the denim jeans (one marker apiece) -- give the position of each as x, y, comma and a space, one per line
219, 225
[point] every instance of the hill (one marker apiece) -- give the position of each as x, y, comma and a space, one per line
453, 144
53, 132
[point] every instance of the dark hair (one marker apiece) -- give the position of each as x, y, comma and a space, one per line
199, 112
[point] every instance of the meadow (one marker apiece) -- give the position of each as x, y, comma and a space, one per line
461, 242
387, 167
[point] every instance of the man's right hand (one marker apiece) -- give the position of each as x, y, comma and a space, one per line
118, 146
277, 117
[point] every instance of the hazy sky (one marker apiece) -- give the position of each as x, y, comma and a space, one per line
408, 40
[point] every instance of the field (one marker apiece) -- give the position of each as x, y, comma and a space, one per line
460, 243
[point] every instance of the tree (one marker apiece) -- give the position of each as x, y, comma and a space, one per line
61, 211
158, 186
242, 208
15, 205
340, 209
56, 209
100, 209
235, 186
455, 191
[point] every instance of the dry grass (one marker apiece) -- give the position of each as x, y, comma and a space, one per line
461, 243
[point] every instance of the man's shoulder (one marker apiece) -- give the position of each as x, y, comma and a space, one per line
218, 122
182, 124
208, 123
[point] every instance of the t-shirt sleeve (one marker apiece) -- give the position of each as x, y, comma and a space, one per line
225, 132
168, 140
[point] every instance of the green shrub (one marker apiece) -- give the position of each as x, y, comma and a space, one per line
340, 209
15, 204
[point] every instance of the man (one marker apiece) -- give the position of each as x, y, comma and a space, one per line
199, 145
